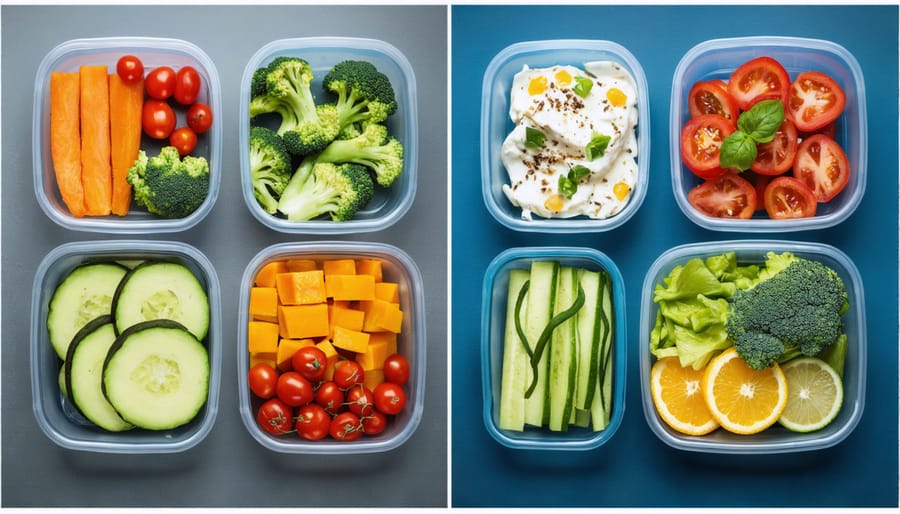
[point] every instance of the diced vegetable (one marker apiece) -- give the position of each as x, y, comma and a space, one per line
65, 139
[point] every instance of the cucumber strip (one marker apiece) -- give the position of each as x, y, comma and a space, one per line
581, 418
541, 299
563, 346
516, 356
590, 327
601, 407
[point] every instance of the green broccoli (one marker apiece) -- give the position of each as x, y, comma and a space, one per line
364, 94
270, 167
373, 148
319, 188
168, 185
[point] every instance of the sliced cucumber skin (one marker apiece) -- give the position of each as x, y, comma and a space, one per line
601, 406
84, 374
168, 279
541, 301
563, 355
589, 338
515, 364
128, 360
67, 311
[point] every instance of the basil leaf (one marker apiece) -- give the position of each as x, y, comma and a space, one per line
534, 138
578, 172
761, 122
566, 186
597, 147
583, 86
738, 150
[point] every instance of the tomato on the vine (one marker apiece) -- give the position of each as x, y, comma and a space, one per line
158, 119
275, 416
293, 389
787, 198
160, 83
187, 85
130, 69
313, 422
262, 378
360, 400
311, 362
199, 117
374, 423
346, 426
330, 396
396, 369
184, 140
389, 398
347, 373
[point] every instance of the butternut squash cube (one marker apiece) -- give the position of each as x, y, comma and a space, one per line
387, 291
373, 377
352, 340
378, 349
303, 321
301, 265
350, 287
370, 267
381, 316
331, 357
262, 358
264, 304
301, 287
265, 277
287, 348
387, 338
339, 267
262, 337
346, 317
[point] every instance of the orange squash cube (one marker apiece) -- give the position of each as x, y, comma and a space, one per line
370, 267
301, 287
381, 316
387, 291
351, 340
303, 321
331, 357
262, 337
339, 267
287, 348
346, 317
350, 287
264, 304
378, 349
301, 265
373, 377
262, 358
265, 277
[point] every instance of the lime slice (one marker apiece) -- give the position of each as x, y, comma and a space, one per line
815, 394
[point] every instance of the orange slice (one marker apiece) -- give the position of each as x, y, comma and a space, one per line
678, 398
741, 399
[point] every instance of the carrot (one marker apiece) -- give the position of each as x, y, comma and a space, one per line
65, 139
96, 170
125, 104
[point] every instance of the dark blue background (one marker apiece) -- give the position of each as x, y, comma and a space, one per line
635, 468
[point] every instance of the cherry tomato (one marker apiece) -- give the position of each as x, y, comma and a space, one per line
759, 76
728, 196
823, 166
313, 422
777, 156
360, 400
262, 379
311, 362
374, 423
130, 69
389, 398
293, 389
701, 139
184, 139
711, 97
160, 83
346, 426
158, 119
330, 396
814, 100
274, 416
199, 117
787, 198
347, 373
396, 369
187, 85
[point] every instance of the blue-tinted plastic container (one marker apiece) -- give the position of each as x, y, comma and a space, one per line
153, 52
493, 319
496, 125
388, 205
718, 58
776, 439
56, 415
397, 267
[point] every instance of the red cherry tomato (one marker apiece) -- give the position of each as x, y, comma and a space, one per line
311, 362
728, 196
711, 97
347, 373
274, 416
787, 198
313, 422
777, 156
756, 77
396, 369
199, 117
360, 400
330, 396
823, 166
160, 83
389, 398
701, 139
184, 139
374, 423
346, 426
293, 389
187, 85
262, 379
130, 69
815, 100
158, 119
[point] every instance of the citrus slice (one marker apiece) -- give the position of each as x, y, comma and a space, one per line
815, 395
678, 399
743, 400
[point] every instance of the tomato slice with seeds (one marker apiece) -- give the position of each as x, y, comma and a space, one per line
728, 196
701, 139
823, 166
759, 76
777, 156
711, 97
788, 198
815, 100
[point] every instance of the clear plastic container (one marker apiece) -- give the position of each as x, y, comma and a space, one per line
56, 415
496, 125
493, 320
388, 205
153, 52
776, 439
397, 267
718, 58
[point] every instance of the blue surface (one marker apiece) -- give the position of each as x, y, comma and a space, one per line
636, 469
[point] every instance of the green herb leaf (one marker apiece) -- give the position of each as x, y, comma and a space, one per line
534, 138
738, 151
597, 147
578, 172
583, 86
566, 186
761, 122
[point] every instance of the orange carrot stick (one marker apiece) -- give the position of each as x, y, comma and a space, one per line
65, 139
125, 105
96, 170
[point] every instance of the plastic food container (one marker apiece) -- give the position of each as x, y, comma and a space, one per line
775, 439
493, 319
397, 267
153, 52
56, 415
496, 125
388, 205
718, 58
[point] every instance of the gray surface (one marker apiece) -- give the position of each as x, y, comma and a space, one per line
228, 468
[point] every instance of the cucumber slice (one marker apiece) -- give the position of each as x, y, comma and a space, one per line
162, 290
156, 375
83, 374
563, 354
515, 360
601, 406
86, 293
541, 299
590, 334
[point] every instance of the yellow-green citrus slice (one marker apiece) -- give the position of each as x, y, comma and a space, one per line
815, 395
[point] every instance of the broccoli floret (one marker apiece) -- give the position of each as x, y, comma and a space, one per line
364, 94
373, 148
270, 167
339, 190
168, 185
799, 306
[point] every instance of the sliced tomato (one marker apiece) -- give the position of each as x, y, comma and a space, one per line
759, 185
728, 196
815, 100
711, 97
777, 156
823, 166
759, 76
788, 198
701, 139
